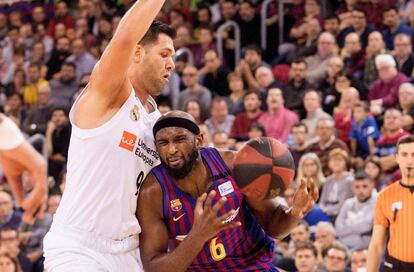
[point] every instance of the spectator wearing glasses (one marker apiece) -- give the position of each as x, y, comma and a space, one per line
336, 257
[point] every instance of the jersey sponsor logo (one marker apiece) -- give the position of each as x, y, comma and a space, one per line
128, 141
175, 219
134, 113
176, 205
226, 188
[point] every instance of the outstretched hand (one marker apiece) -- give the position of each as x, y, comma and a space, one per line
305, 197
206, 222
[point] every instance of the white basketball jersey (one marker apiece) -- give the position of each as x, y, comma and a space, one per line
105, 167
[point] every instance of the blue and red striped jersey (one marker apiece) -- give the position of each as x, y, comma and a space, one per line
244, 248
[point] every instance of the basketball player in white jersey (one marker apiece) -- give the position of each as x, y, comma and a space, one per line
16, 157
112, 149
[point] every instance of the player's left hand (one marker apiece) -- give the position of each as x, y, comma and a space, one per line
305, 197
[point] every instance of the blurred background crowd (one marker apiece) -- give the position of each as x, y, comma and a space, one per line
331, 79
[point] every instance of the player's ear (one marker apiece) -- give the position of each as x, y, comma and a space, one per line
199, 140
139, 53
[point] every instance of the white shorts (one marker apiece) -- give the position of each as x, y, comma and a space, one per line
10, 135
68, 251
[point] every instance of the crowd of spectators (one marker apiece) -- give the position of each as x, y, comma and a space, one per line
338, 92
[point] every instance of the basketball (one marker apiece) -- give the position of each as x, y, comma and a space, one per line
263, 168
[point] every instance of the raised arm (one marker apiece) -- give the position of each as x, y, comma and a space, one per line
110, 73
154, 235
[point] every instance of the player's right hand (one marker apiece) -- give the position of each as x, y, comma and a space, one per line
206, 222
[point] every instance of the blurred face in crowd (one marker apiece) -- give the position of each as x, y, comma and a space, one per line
305, 260
203, 15
326, 43
15, 18
331, 25
61, 9
299, 233
7, 264
337, 164
228, 9
219, 111
43, 94
14, 102
53, 203
312, 8
391, 18
38, 51
359, 259
236, 84
251, 102
38, 14
324, 237
309, 168
274, 99
67, 73
335, 260
342, 83
3, 20
105, 27
402, 46
206, 36
183, 37
246, 12
63, 45
325, 130
190, 76
299, 135
9, 239
78, 47
362, 189
352, 43
59, 118
34, 74
82, 25
6, 205
194, 109
392, 120
372, 170
359, 20
60, 31
254, 132
264, 76
311, 101
335, 64
221, 140
252, 58
376, 42
211, 61
406, 96
176, 19
359, 114
298, 71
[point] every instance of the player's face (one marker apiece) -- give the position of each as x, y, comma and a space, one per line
305, 261
405, 159
157, 65
178, 150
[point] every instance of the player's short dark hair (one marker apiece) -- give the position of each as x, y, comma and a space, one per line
155, 30
252, 47
390, 8
405, 140
306, 245
362, 175
300, 124
298, 60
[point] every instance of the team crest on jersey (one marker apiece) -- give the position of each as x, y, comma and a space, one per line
134, 113
176, 205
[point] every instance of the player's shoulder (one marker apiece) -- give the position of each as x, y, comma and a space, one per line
388, 191
227, 156
150, 189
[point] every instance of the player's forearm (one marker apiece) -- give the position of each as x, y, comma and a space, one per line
375, 253
177, 260
39, 192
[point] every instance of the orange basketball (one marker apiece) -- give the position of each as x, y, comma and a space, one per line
263, 168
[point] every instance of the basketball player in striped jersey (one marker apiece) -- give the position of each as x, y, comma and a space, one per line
193, 216
112, 148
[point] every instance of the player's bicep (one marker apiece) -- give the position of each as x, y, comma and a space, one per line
154, 234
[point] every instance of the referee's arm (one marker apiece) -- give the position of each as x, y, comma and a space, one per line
376, 248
